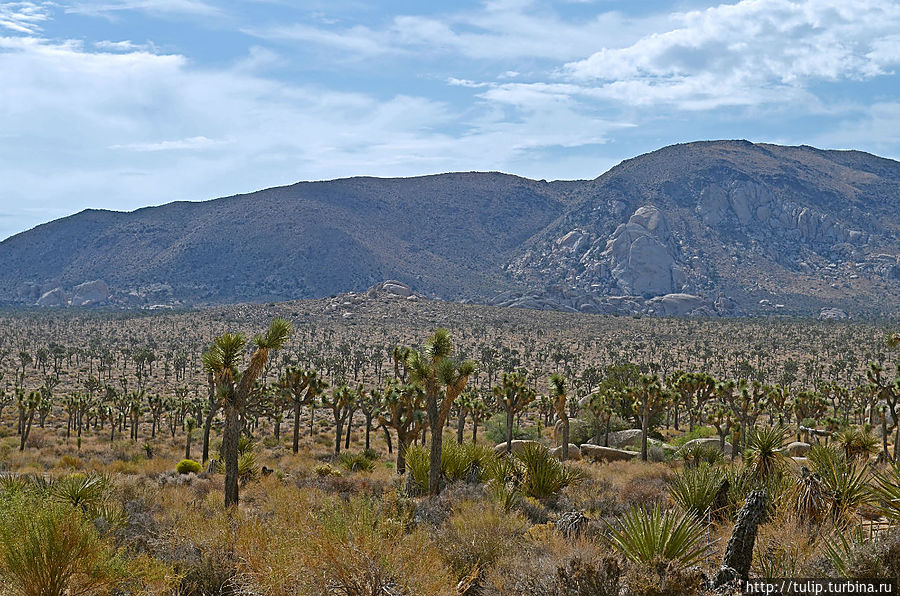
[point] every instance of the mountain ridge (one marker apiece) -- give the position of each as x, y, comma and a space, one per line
794, 225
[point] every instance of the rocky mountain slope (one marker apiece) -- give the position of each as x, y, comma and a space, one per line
721, 227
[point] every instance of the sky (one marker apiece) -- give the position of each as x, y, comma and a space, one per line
120, 104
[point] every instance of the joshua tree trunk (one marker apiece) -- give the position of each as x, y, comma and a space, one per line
434, 471
230, 435
645, 426
402, 446
296, 444
387, 438
338, 433
460, 426
509, 429
26, 431
739, 551
565, 436
207, 426
187, 446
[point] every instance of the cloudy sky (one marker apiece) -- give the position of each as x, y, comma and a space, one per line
120, 104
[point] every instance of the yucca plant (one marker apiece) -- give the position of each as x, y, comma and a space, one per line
857, 443
417, 468
646, 537
839, 548
806, 499
846, 483
82, 491
764, 456
356, 462
886, 492
695, 489
545, 476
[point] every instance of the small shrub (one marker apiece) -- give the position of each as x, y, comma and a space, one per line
477, 536
324, 471
495, 430
545, 476
187, 466
70, 462
698, 453
356, 462
51, 550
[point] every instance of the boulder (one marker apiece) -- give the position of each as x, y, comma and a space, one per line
712, 441
676, 305
397, 288
574, 452
90, 292
622, 438
599, 453
55, 297
832, 314
797, 449
517, 446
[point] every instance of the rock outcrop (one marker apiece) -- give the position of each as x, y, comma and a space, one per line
55, 298
599, 453
90, 293
641, 260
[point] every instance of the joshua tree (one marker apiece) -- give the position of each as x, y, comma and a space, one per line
512, 394
404, 411
443, 379
303, 386
559, 394
648, 396
341, 402
233, 387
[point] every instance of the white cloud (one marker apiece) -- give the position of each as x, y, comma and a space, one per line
751, 52
167, 8
23, 17
190, 143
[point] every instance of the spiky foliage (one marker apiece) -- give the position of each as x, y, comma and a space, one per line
806, 499
544, 475
886, 492
695, 489
646, 537
82, 491
764, 456
846, 484
857, 443
513, 395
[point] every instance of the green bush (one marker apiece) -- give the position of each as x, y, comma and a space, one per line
186, 466
50, 549
356, 462
544, 475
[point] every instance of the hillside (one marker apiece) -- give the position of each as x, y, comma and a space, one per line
727, 226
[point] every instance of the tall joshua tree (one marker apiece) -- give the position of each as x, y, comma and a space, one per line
559, 394
234, 387
442, 378
302, 386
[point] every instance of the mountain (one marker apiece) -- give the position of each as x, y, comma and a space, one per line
715, 227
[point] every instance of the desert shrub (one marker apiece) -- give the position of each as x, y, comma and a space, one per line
857, 443
371, 454
648, 536
324, 471
477, 535
544, 475
356, 462
81, 490
664, 578
417, 467
467, 462
50, 549
588, 578
783, 548
647, 488
70, 462
188, 466
695, 489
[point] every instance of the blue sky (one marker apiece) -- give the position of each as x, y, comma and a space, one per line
120, 104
